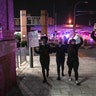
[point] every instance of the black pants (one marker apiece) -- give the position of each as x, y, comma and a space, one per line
45, 68
60, 63
73, 65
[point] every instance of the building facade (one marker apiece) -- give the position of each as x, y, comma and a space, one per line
7, 47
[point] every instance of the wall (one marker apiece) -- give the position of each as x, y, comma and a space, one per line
7, 48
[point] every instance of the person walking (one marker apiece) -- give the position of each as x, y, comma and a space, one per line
60, 50
44, 50
72, 59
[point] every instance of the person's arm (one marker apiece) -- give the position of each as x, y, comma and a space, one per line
81, 42
92, 35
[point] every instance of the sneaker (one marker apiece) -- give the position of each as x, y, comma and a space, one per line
77, 83
58, 78
70, 79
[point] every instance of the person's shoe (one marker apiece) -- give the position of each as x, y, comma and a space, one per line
58, 78
44, 81
69, 79
77, 83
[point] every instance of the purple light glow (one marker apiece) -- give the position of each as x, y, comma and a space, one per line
66, 31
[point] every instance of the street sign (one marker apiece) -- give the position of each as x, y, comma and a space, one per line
33, 39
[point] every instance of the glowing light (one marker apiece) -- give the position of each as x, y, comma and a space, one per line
68, 25
24, 35
69, 21
91, 40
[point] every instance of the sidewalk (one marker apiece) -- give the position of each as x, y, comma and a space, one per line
30, 80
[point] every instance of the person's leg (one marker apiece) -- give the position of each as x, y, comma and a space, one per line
43, 72
76, 65
47, 68
44, 77
62, 66
47, 73
58, 70
69, 69
76, 73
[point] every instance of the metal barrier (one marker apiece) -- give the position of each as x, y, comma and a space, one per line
20, 56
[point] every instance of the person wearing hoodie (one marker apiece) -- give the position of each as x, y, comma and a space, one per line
44, 50
72, 59
60, 50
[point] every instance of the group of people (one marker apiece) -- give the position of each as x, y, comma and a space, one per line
60, 48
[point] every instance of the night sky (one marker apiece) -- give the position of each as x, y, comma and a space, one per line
62, 8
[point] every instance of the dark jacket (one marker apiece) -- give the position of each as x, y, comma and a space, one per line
92, 35
44, 51
60, 52
73, 51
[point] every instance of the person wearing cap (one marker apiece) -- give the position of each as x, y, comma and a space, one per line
44, 50
72, 59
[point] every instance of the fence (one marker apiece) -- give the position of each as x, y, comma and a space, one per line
20, 56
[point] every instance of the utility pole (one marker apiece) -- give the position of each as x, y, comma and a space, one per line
30, 49
74, 23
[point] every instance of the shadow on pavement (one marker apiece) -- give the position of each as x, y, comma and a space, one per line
15, 92
32, 85
84, 79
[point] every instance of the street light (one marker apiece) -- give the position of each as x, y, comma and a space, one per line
69, 21
74, 23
